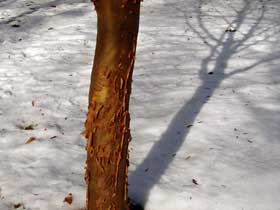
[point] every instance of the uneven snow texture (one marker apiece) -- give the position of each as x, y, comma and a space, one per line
205, 106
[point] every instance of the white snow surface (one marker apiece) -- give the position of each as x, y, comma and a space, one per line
205, 105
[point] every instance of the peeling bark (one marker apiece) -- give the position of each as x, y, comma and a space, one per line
107, 125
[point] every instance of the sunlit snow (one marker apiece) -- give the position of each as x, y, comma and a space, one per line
205, 105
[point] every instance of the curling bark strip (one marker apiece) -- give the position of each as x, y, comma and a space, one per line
107, 125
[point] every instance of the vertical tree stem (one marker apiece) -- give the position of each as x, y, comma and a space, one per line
107, 124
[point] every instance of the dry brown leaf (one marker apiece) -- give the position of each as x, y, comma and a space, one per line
69, 199
30, 140
30, 127
17, 205
188, 157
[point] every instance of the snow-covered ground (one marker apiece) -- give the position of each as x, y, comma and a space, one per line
205, 104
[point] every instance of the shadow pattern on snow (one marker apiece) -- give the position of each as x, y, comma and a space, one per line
222, 49
15, 21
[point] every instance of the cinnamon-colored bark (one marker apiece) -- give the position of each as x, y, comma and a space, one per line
107, 124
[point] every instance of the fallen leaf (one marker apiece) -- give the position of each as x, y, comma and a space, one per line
17, 205
69, 199
53, 137
15, 25
194, 181
30, 140
230, 29
30, 127
188, 157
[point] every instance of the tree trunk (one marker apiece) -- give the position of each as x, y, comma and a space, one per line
107, 124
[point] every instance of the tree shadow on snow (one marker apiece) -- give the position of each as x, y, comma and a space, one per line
17, 21
222, 49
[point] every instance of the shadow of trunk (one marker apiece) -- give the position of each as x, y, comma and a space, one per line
222, 49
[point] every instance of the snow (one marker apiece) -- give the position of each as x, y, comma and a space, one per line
204, 107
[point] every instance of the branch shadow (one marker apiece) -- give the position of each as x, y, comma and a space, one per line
31, 8
6, 2
222, 49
